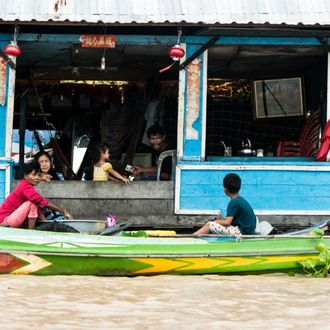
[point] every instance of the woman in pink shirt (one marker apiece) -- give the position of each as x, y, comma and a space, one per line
23, 203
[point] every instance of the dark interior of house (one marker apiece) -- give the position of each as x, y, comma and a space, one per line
66, 90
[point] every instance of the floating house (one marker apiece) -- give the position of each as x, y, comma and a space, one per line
248, 92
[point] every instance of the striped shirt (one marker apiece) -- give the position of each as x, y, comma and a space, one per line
101, 173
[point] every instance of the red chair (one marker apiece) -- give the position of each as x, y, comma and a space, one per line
309, 139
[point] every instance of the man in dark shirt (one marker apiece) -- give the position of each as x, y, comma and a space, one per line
157, 139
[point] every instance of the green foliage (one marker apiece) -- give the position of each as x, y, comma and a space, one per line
317, 233
139, 233
324, 258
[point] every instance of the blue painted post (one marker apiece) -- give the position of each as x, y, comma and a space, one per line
192, 106
7, 93
3, 100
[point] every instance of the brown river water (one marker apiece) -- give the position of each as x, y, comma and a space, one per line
165, 302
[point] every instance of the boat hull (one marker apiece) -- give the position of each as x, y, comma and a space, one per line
48, 253
36, 264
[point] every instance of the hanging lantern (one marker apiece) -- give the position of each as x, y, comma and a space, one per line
103, 63
176, 52
12, 50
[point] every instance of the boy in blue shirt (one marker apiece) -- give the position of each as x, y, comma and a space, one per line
240, 219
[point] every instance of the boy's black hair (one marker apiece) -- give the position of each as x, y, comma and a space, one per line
232, 182
31, 166
154, 130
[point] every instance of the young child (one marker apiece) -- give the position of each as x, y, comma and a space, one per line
102, 169
240, 218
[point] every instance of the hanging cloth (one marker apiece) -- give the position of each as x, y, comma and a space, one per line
324, 152
151, 115
37, 137
61, 162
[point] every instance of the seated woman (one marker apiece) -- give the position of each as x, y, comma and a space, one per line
45, 161
24, 201
48, 174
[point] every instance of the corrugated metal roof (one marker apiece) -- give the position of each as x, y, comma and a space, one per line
290, 12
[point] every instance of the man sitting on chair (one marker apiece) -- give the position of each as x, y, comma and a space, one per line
157, 138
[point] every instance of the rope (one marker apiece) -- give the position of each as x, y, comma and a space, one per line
136, 133
48, 125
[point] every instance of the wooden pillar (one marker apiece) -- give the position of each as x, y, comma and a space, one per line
22, 129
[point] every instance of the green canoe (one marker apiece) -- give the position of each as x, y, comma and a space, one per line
52, 253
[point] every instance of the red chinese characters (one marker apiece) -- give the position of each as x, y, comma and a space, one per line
98, 41
3, 78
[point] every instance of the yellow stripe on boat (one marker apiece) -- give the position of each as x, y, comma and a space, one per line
160, 232
223, 264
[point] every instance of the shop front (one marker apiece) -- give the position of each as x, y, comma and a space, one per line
280, 184
229, 104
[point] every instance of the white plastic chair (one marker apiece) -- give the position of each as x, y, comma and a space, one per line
164, 154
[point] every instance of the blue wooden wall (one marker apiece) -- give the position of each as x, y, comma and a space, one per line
273, 186
2, 184
284, 186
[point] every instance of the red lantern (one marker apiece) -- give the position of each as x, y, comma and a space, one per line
12, 50
176, 52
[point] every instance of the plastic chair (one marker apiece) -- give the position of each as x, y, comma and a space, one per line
308, 143
164, 154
